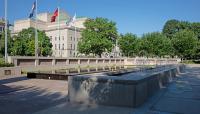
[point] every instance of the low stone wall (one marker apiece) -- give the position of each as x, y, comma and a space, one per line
150, 61
130, 90
52, 61
10, 71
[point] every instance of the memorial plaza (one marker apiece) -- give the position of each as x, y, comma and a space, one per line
99, 57
20, 95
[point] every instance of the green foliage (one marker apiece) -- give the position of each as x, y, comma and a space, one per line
98, 37
173, 26
2, 43
127, 44
185, 43
24, 43
3, 64
155, 44
195, 27
190, 61
151, 45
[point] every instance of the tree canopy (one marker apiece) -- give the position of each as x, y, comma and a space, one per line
98, 36
156, 45
23, 44
2, 43
185, 43
178, 38
127, 44
151, 45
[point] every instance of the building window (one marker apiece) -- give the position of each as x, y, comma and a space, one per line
50, 38
55, 47
59, 46
59, 37
71, 38
55, 38
74, 46
70, 46
63, 46
70, 53
63, 38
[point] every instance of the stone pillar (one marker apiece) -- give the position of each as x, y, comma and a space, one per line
79, 61
67, 61
88, 62
15, 62
96, 61
88, 69
36, 62
53, 62
79, 70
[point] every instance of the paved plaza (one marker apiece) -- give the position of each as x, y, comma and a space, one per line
19, 95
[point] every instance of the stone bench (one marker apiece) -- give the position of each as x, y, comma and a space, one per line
10, 71
129, 90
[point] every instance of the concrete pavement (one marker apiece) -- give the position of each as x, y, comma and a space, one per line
25, 96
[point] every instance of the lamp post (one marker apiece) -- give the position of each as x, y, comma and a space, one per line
6, 32
36, 32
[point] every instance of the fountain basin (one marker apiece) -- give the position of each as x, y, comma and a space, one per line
129, 90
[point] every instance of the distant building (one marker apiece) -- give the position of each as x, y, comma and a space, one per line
63, 46
2, 25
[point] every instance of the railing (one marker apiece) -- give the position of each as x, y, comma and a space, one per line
52, 61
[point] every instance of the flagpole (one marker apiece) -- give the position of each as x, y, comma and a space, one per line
6, 32
60, 53
75, 28
36, 32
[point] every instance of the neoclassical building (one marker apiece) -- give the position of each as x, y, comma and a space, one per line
66, 44
2, 25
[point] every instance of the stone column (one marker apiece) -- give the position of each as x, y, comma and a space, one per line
67, 61
36, 62
53, 62
79, 61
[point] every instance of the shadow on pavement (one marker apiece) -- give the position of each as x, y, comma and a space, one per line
15, 79
27, 100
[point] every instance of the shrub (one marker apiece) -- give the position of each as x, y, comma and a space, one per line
191, 61
4, 64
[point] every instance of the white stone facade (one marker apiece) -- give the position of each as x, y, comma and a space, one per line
63, 46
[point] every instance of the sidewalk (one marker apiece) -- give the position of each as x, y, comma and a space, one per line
182, 96
20, 95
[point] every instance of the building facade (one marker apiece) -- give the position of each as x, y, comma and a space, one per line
2, 25
64, 39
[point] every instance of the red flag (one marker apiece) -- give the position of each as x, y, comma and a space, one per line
55, 14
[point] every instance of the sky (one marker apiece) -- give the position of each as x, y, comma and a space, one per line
133, 16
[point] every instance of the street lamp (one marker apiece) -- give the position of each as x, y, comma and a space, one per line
6, 32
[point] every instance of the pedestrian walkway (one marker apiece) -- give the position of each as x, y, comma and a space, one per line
182, 96
20, 95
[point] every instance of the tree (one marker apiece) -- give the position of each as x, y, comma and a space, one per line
98, 36
24, 43
195, 27
127, 44
185, 43
2, 43
173, 26
154, 44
